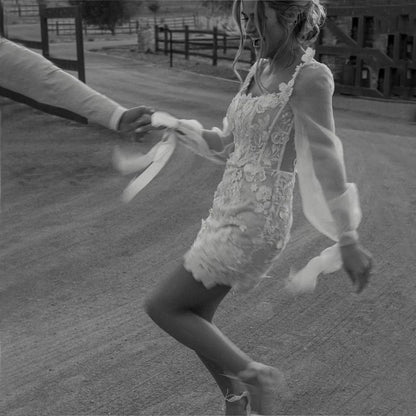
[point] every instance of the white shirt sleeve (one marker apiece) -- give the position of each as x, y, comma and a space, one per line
30, 74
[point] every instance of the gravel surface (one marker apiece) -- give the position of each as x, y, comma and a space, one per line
76, 265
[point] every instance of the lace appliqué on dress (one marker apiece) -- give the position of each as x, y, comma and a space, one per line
249, 223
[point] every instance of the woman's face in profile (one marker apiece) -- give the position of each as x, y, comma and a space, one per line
268, 43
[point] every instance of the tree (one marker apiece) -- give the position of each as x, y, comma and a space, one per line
218, 6
154, 7
106, 14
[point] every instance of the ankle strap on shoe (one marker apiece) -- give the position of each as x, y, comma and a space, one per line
235, 397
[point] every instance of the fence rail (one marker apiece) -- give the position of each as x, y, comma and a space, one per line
64, 28
23, 10
195, 42
172, 22
67, 28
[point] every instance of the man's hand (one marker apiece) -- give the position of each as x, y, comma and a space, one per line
358, 264
135, 118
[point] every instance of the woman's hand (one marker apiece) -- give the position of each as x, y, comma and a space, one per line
358, 264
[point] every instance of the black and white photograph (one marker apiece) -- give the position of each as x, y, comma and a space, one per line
207, 207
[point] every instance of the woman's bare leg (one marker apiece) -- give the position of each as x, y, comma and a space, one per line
172, 306
184, 308
230, 387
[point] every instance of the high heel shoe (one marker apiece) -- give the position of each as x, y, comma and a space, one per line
263, 383
243, 408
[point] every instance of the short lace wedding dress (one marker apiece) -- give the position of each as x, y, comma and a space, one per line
249, 223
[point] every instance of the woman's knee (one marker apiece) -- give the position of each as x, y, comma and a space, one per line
155, 308
182, 293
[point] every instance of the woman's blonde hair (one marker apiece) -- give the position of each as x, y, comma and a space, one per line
300, 19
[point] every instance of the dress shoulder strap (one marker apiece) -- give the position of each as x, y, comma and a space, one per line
307, 58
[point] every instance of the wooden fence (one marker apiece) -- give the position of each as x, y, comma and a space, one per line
23, 10
189, 42
67, 28
173, 23
46, 14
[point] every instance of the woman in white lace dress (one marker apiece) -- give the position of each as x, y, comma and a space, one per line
282, 114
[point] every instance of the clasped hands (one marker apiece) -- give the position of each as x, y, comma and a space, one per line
136, 120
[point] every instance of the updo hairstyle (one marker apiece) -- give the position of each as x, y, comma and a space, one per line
300, 19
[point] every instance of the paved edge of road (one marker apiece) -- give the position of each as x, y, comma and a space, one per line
395, 110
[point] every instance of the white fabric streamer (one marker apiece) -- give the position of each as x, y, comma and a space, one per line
305, 280
186, 132
161, 154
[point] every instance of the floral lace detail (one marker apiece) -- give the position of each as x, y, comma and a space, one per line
250, 220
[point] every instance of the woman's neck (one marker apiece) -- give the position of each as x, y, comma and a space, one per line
272, 74
280, 63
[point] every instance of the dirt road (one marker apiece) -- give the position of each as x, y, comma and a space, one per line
76, 265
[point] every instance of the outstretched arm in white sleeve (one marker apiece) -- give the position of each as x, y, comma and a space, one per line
30, 74
330, 203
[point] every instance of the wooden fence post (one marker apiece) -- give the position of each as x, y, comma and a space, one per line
186, 42
165, 32
359, 60
224, 40
80, 44
170, 48
2, 31
156, 38
215, 46
44, 31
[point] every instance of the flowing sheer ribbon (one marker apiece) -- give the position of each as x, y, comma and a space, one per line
185, 132
152, 163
